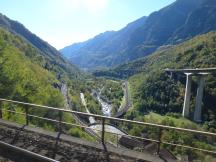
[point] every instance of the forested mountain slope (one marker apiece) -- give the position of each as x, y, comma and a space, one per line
103, 49
154, 90
47, 56
33, 71
171, 25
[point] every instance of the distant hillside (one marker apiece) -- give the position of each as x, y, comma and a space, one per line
154, 90
171, 25
102, 50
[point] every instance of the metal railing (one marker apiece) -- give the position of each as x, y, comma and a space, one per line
59, 121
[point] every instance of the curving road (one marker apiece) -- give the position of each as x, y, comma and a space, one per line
124, 108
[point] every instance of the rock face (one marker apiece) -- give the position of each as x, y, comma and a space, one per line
63, 148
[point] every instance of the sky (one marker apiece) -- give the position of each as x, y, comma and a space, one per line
64, 22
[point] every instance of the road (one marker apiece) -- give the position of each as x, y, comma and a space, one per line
108, 128
124, 108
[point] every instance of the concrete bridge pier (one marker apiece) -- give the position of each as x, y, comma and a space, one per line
199, 96
200, 73
185, 112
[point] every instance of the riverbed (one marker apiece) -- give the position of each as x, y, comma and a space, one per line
106, 108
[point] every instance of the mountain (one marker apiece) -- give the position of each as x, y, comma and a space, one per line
154, 90
103, 48
51, 58
198, 22
31, 69
21, 77
171, 25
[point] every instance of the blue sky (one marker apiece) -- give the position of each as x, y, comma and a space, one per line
63, 22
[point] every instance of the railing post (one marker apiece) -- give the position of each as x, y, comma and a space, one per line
159, 141
103, 131
26, 115
60, 121
0, 109
117, 140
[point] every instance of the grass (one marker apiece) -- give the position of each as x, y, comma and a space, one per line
178, 122
172, 121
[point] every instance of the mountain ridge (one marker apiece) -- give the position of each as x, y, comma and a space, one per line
170, 25
85, 47
154, 90
49, 53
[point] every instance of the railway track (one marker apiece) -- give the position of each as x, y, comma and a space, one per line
14, 145
25, 144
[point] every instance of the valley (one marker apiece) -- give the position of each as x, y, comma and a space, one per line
118, 76
106, 109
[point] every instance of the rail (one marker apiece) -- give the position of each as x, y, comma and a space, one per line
32, 156
103, 119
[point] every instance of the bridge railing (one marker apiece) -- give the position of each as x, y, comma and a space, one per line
103, 120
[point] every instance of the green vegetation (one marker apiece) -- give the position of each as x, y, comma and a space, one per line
112, 92
91, 101
23, 80
153, 90
37, 50
77, 132
93, 105
29, 75
145, 35
33, 71
177, 137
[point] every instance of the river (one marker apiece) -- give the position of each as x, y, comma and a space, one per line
106, 108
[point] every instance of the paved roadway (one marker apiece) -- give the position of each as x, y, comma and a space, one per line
124, 108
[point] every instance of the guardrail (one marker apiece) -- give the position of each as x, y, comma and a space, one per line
103, 122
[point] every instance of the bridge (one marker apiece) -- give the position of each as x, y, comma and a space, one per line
200, 73
26, 141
